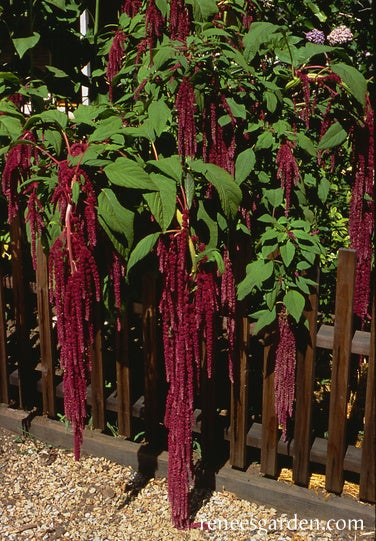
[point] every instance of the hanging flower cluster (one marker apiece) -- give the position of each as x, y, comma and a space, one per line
185, 106
362, 210
115, 57
75, 286
284, 372
287, 171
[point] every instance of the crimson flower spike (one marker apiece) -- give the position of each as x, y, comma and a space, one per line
185, 105
115, 57
179, 21
131, 7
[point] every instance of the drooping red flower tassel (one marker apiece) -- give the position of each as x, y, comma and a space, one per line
115, 57
287, 171
185, 105
362, 210
131, 7
284, 373
179, 21
179, 331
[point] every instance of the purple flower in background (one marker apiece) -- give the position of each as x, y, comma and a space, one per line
316, 36
340, 35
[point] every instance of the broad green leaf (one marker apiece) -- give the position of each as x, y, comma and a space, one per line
264, 140
271, 101
203, 9
170, 166
257, 272
159, 115
129, 174
353, 79
335, 135
237, 109
259, 32
10, 126
265, 319
323, 189
287, 252
294, 302
118, 218
57, 3
106, 128
58, 73
22, 45
244, 165
306, 144
162, 203
142, 249
55, 117
274, 196
189, 188
54, 139
228, 191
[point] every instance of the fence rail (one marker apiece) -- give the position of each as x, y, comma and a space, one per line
36, 385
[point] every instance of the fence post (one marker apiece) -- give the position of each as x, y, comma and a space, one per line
269, 433
151, 372
27, 387
343, 332
45, 334
4, 382
123, 381
367, 490
239, 397
305, 373
97, 373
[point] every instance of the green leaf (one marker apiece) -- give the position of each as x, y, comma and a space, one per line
259, 32
306, 144
271, 101
257, 272
353, 79
287, 252
228, 191
118, 218
170, 166
22, 45
162, 204
294, 302
274, 196
58, 73
266, 318
55, 117
244, 165
142, 249
264, 140
54, 139
106, 128
237, 109
10, 126
159, 115
57, 3
203, 9
323, 189
189, 188
129, 174
335, 135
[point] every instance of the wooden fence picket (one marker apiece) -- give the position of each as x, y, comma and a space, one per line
4, 377
343, 332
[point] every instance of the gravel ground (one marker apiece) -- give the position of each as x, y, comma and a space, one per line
46, 495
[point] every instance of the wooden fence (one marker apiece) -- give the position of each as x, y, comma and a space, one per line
139, 394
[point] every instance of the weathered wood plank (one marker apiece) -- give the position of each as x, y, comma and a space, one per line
367, 490
239, 398
4, 380
360, 344
123, 379
340, 370
151, 367
97, 374
269, 443
47, 347
305, 373
27, 384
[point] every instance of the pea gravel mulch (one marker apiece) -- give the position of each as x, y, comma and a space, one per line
47, 495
